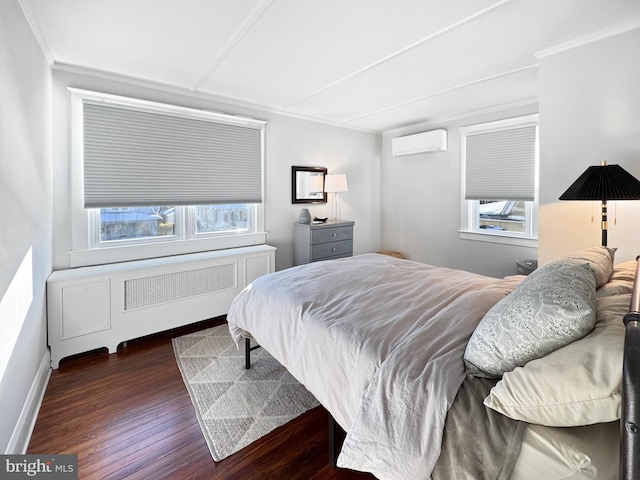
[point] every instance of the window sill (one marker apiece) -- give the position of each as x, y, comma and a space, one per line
106, 255
504, 239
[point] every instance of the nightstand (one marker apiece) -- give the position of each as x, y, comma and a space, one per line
313, 242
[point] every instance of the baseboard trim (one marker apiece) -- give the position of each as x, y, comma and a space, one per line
21, 436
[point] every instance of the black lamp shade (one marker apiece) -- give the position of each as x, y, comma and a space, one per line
604, 182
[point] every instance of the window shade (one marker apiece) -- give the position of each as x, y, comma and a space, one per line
500, 165
137, 158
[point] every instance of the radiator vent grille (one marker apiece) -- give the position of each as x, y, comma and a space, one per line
156, 289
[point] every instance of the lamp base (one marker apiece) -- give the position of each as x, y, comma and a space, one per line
335, 207
605, 224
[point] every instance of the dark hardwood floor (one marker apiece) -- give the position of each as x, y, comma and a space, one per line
128, 415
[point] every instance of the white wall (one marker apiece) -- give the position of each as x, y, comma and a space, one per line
25, 229
421, 201
589, 111
356, 154
289, 141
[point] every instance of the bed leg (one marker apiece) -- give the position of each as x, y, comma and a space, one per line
332, 441
247, 353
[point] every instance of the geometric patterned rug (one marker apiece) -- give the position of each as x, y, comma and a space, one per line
235, 406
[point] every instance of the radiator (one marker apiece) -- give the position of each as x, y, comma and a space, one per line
103, 306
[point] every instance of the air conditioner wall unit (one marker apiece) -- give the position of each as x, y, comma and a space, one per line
433, 141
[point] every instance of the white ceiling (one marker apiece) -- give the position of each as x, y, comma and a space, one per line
368, 64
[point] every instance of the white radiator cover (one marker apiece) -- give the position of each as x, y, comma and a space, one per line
103, 306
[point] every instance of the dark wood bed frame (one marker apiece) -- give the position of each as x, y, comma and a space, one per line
630, 415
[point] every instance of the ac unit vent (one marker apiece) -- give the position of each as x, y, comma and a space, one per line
433, 141
156, 289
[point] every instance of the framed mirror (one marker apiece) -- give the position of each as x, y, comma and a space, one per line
307, 185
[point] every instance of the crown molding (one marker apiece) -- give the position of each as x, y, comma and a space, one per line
27, 10
186, 92
587, 39
474, 113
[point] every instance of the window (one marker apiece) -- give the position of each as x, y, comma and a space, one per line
122, 226
152, 179
502, 215
222, 218
499, 178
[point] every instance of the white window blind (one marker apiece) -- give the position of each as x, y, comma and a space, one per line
500, 165
136, 158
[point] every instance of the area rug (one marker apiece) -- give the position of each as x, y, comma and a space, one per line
235, 406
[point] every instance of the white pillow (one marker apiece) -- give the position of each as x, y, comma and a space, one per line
579, 384
552, 307
620, 281
589, 452
600, 259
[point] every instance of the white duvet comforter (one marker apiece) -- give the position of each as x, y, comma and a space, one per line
379, 341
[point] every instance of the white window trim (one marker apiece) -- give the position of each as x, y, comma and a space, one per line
468, 214
82, 253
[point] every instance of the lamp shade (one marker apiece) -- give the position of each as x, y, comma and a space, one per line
604, 182
335, 183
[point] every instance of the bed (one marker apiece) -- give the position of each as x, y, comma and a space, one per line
394, 348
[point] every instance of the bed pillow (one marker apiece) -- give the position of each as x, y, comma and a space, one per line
579, 384
620, 281
600, 259
552, 307
589, 452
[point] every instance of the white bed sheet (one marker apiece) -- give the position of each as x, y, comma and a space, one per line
380, 345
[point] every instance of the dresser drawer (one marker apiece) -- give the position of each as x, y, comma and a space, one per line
331, 249
324, 235
313, 242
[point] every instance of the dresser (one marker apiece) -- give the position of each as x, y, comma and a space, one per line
313, 242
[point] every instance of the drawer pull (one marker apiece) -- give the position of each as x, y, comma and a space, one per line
334, 234
333, 249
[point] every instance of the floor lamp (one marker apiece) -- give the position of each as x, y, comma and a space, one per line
335, 184
604, 182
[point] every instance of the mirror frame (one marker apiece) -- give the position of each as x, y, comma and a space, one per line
294, 184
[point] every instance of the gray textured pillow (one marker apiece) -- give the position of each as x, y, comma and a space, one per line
552, 307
